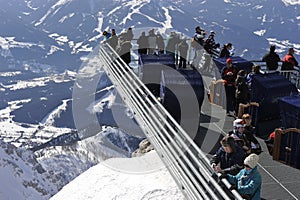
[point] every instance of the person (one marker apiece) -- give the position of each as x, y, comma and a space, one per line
225, 51
199, 35
271, 59
106, 35
250, 133
242, 90
172, 42
239, 137
160, 43
124, 48
229, 157
151, 41
289, 61
229, 74
142, 41
129, 34
255, 70
210, 43
113, 40
183, 49
248, 181
248, 124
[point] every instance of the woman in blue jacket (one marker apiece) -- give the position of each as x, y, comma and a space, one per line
248, 181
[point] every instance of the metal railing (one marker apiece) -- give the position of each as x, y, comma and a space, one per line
291, 75
187, 164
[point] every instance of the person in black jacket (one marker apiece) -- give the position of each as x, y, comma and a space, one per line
242, 90
225, 52
229, 157
271, 59
229, 74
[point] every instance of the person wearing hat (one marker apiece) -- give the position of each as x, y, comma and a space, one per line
229, 157
248, 181
199, 35
238, 134
229, 75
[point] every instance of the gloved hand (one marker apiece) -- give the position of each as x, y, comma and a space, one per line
233, 187
223, 176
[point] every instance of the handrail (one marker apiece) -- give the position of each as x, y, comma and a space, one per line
187, 164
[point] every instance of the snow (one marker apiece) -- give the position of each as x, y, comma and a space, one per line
291, 2
138, 178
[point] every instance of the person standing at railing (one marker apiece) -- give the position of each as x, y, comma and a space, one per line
289, 62
197, 42
248, 181
113, 40
172, 42
229, 157
210, 44
160, 43
229, 74
271, 59
124, 49
183, 49
142, 41
225, 51
152, 40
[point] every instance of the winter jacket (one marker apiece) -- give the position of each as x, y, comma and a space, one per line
271, 60
242, 90
124, 51
288, 62
224, 53
230, 79
230, 163
247, 182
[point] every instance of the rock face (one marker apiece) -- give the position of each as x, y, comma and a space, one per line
144, 147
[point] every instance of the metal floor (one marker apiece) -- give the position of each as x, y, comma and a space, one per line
279, 181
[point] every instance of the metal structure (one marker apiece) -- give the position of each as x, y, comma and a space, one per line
187, 164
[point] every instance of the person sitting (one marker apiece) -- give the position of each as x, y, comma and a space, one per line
271, 59
225, 52
248, 181
249, 133
289, 61
238, 134
229, 156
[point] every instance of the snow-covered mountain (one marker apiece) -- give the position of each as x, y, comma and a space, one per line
60, 115
44, 32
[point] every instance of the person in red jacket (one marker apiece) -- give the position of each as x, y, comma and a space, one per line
229, 74
289, 61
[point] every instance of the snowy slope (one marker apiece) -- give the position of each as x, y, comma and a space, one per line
135, 178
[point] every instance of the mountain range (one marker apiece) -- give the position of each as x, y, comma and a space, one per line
60, 114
